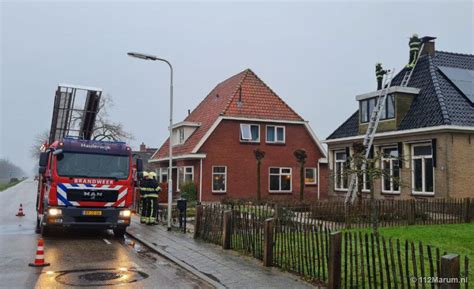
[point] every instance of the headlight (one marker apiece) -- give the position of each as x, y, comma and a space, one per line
54, 212
125, 213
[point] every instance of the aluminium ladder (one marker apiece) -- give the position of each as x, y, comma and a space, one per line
370, 133
409, 72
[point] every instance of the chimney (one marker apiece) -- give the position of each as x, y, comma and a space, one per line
143, 147
189, 111
428, 45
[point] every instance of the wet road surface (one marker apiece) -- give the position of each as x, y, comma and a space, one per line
78, 258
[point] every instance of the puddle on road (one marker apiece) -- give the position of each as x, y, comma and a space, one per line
99, 277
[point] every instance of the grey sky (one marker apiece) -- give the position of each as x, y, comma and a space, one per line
316, 56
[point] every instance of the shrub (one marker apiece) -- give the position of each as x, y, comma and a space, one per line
188, 191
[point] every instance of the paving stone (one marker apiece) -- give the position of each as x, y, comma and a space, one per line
231, 270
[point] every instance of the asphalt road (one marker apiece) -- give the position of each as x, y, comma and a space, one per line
79, 258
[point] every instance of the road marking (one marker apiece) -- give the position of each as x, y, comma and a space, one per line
107, 241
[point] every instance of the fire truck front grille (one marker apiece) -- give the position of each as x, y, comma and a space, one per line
90, 219
88, 195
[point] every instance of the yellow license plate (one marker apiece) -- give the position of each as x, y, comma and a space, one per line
92, 213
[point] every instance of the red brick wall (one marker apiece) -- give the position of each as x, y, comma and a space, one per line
223, 147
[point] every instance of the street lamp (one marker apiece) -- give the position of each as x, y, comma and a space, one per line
170, 173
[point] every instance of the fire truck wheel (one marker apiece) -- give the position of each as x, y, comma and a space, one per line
45, 231
38, 227
119, 232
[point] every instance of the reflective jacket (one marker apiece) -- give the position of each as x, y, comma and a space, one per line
149, 188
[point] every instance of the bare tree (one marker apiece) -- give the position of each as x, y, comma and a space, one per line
104, 128
301, 156
38, 141
372, 172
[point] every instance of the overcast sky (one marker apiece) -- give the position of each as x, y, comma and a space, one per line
316, 56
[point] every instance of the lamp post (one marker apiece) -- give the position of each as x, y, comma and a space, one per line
170, 166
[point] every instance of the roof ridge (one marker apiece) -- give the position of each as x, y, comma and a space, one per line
235, 91
455, 53
439, 94
268, 87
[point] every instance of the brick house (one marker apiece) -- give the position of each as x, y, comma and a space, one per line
214, 146
426, 132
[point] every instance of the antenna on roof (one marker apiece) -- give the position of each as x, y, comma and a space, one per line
239, 102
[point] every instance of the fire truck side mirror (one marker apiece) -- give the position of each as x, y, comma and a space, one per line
139, 165
43, 159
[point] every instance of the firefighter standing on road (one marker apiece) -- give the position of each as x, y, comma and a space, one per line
150, 191
142, 199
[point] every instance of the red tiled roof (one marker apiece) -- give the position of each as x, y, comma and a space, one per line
258, 101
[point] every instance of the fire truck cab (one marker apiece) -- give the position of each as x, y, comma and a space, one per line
86, 184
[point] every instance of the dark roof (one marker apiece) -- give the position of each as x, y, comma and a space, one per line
439, 102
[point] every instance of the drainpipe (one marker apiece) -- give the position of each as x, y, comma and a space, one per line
200, 180
319, 184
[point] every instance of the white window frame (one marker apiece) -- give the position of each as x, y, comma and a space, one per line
315, 176
382, 166
163, 171
280, 174
178, 175
365, 189
336, 187
275, 128
423, 192
225, 179
250, 129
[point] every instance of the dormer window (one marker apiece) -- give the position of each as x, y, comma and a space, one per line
367, 106
249, 132
181, 135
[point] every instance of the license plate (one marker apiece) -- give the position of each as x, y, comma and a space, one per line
92, 213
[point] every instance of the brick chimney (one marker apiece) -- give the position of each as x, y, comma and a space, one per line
143, 147
428, 43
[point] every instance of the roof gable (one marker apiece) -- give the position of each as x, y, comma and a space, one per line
242, 95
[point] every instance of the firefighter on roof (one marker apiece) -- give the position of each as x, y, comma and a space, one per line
150, 190
379, 73
415, 44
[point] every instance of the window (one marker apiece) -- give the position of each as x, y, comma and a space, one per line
391, 169
219, 179
275, 134
181, 135
422, 169
367, 106
280, 179
163, 175
185, 174
340, 178
249, 132
366, 182
310, 176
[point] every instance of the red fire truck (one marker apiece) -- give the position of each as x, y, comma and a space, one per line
83, 182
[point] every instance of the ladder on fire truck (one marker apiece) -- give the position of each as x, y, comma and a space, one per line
370, 133
74, 112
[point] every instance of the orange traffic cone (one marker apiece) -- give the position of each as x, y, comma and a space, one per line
20, 211
39, 259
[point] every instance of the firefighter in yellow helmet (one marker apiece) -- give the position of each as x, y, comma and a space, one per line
415, 45
151, 190
142, 198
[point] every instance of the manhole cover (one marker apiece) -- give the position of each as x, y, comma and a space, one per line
99, 277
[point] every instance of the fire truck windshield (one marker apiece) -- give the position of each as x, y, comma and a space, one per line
70, 164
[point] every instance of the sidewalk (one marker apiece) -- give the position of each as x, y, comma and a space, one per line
221, 268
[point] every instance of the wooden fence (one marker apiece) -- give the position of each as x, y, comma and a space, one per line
337, 215
293, 241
